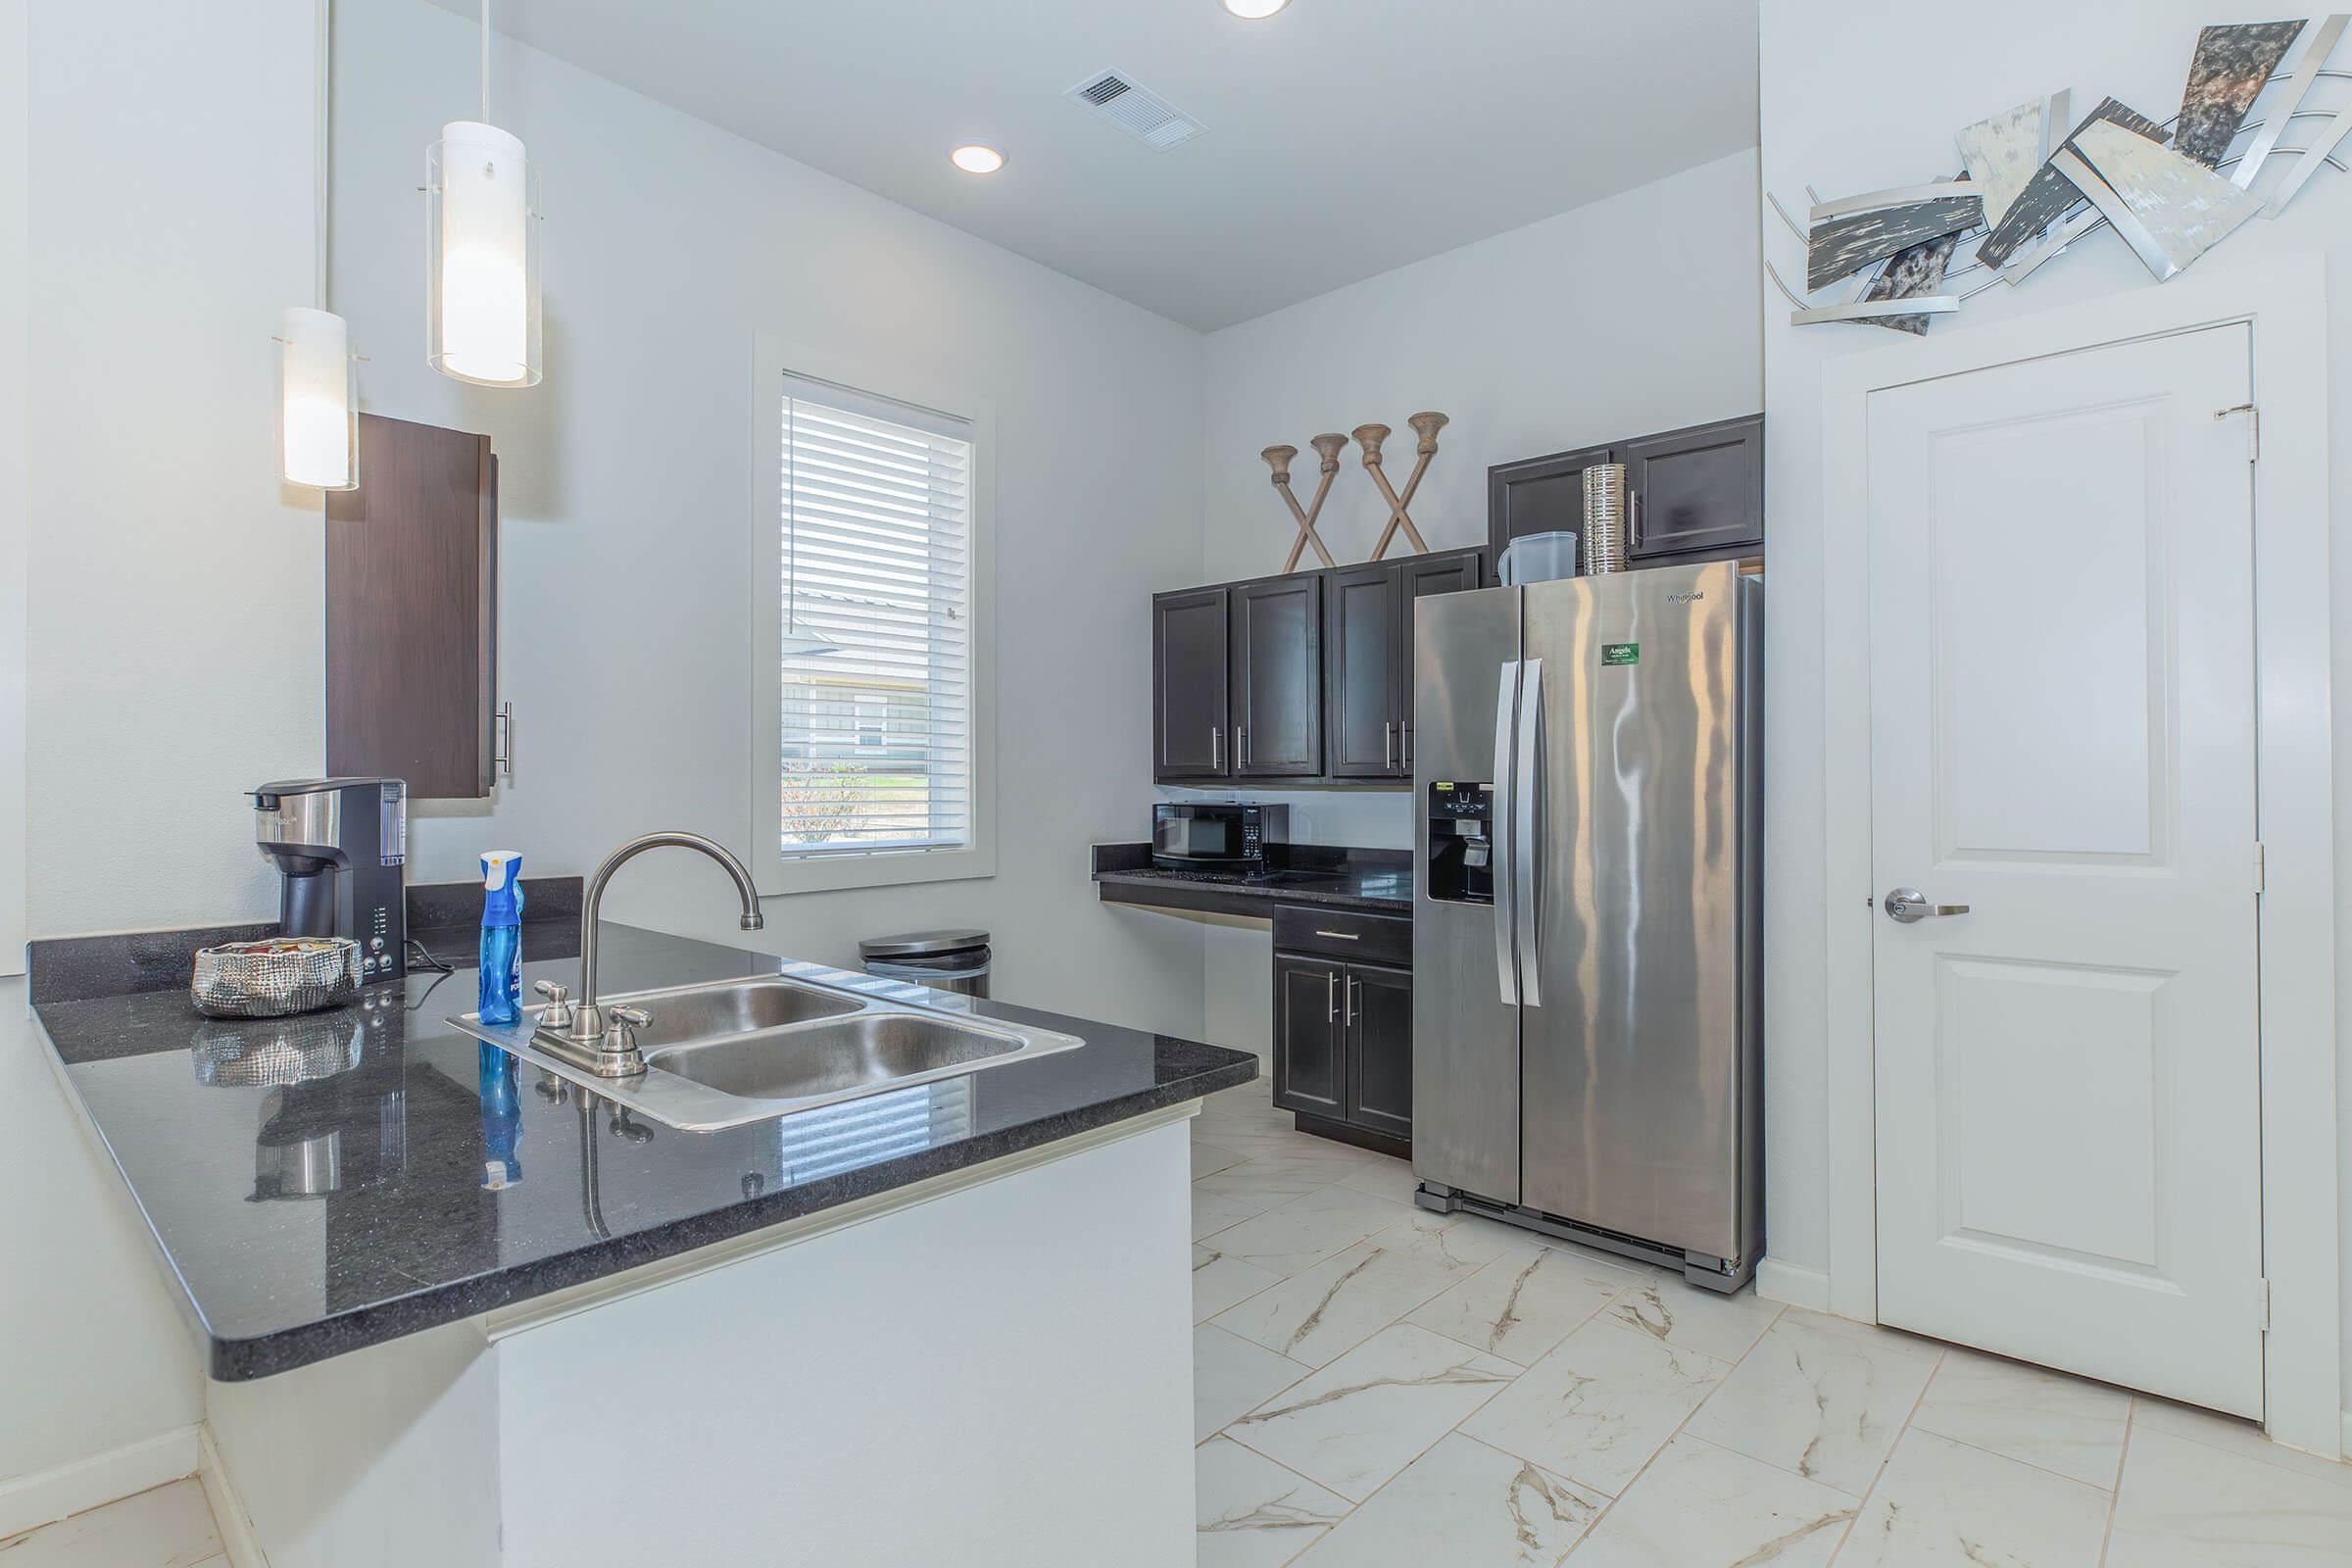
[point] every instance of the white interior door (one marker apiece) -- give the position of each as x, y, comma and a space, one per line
2062, 733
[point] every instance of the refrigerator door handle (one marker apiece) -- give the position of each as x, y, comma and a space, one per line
1504, 832
1526, 792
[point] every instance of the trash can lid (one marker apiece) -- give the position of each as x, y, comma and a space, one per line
923, 944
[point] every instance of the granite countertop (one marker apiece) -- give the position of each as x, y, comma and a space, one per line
404, 1185
1378, 880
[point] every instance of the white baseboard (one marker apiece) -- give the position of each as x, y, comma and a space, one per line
228, 1509
48, 1495
1792, 1284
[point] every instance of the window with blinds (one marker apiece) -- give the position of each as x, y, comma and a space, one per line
876, 520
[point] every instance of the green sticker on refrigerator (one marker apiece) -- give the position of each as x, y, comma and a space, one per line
1621, 653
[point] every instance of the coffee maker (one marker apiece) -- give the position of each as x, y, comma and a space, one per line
339, 845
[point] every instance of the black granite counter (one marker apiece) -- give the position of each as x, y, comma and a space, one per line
1379, 880
326, 1183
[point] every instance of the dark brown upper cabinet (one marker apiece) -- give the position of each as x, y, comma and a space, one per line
1277, 689
1192, 728
1538, 495
1304, 676
1699, 493
1368, 659
412, 611
1360, 671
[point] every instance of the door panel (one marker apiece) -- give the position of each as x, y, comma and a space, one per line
1361, 648
1310, 1071
1380, 1050
1465, 1053
1278, 677
1188, 685
1538, 495
2063, 740
1634, 1053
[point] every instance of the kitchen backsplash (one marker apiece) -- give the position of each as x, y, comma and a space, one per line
1364, 819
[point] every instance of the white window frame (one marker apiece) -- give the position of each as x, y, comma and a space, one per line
772, 359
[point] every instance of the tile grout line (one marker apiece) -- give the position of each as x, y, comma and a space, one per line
1846, 1536
2115, 1498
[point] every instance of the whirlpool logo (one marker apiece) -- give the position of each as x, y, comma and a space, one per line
1691, 598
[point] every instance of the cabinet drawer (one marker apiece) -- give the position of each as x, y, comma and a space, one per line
1348, 934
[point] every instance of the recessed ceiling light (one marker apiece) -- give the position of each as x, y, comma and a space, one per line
977, 159
1255, 10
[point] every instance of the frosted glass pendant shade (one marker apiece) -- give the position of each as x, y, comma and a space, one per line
319, 419
482, 267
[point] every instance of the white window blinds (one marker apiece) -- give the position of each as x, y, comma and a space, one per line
876, 519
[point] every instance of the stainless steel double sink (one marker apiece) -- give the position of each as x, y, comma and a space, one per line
730, 1051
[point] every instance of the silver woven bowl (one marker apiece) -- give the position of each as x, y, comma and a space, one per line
273, 978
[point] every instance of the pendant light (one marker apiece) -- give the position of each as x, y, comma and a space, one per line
481, 308
318, 421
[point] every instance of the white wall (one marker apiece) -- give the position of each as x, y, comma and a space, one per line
1633, 315
174, 587
92, 1356
626, 499
172, 647
15, 126
1848, 108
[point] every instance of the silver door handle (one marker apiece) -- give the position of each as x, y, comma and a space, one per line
1331, 996
1906, 905
1526, 797
1498, 807
1216, 754
1341, 936
1404, 743
1387, 744
1350, 1020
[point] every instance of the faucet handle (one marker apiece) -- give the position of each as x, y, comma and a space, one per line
617, 1056
557, 1014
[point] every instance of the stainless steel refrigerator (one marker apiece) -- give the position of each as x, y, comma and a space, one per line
1587, 943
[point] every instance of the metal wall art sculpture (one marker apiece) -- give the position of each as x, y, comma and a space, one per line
2030, 186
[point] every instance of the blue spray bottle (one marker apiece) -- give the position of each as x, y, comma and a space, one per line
501, 937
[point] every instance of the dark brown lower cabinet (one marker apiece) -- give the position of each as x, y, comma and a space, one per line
1344, 1039
1311, 1063
1380, 1048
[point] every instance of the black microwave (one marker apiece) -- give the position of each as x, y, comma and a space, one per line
1213, 833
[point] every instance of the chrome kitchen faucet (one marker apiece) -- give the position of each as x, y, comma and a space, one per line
605, 1038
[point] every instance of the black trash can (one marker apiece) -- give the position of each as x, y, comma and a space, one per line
951, 960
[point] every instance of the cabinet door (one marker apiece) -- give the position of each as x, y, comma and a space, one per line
1278, 678
410, 612
1379, 1012
1456, 571
1190, 686
1359, 671
1310, 1071
1538, 495
1700, 492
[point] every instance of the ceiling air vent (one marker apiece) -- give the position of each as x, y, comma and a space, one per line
1138, 110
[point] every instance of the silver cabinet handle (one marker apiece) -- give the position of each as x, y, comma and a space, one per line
1507, 700
1216, 754
1404, 743
1350, 1020
502, 748
1387, 744
1331, 996
1908, 904
1341, 936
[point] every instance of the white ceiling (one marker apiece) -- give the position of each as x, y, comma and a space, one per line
1345, 137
